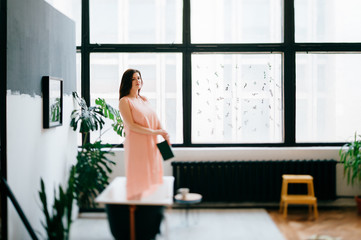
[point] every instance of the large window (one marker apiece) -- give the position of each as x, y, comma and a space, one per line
231, 72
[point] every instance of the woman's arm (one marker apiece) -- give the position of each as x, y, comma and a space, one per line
128, 120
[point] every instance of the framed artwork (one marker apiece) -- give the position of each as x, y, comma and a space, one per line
52, 102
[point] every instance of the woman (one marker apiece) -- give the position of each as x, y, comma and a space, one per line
143, 162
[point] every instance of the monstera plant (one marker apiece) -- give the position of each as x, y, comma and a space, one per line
93, 165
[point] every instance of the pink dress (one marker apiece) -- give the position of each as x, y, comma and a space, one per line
143, 162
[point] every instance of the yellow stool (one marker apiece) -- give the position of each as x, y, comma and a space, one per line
309, 199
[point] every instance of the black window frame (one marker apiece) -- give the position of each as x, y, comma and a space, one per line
288, 48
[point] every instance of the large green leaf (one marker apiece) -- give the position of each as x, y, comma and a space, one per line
113, 114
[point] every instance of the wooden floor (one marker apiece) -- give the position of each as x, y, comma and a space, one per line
338, 223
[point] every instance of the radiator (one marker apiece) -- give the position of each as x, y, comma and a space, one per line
255, 181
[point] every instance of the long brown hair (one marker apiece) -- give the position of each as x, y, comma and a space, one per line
126, 83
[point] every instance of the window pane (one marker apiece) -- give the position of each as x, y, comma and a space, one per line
229, 21
327, 20
237, 98
136, 21
162, 76
327, 97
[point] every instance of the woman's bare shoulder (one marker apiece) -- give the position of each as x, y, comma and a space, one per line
123, 100
144, 98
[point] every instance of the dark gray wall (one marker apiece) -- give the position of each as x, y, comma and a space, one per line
41, 42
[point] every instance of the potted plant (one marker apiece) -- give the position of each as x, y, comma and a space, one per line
93, 166
350, 157
89, 175
58, 220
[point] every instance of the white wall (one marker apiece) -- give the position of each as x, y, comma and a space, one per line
228, 154
34, 153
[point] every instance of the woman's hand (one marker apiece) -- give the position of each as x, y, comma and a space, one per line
164, 134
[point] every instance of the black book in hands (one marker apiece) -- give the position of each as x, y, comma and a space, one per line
165, 150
